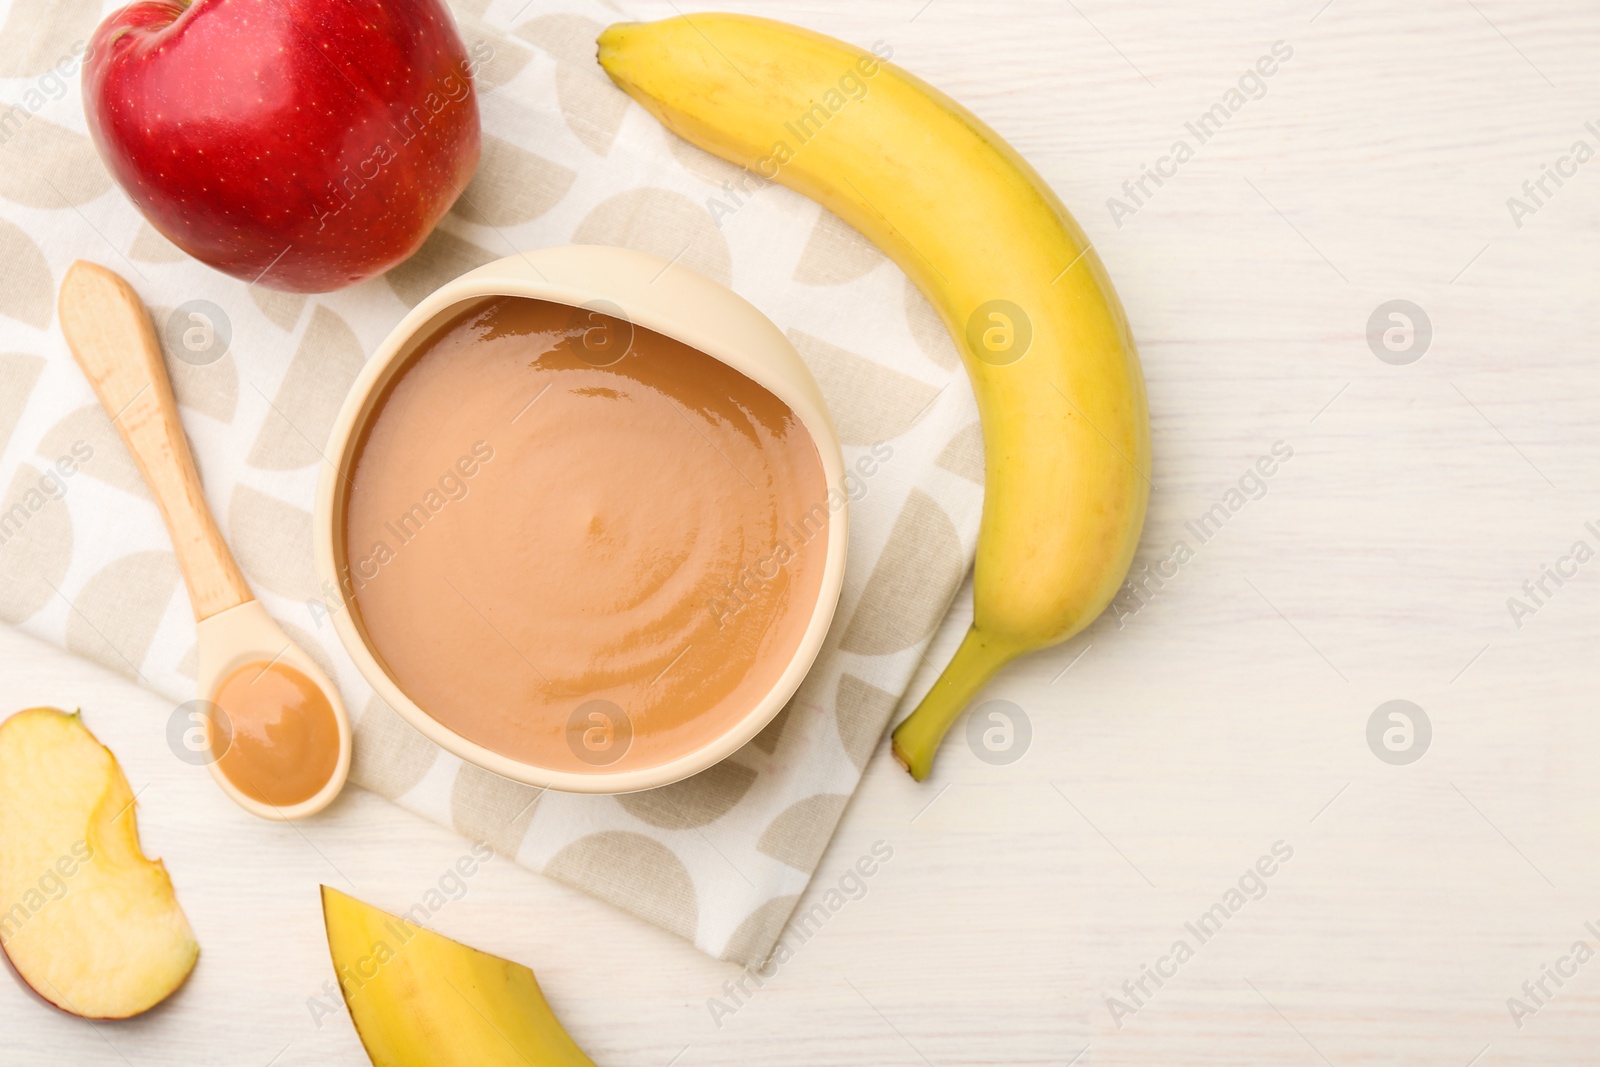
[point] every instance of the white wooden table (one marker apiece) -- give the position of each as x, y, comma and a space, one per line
1226, 714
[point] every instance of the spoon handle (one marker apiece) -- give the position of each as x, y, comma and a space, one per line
109, 332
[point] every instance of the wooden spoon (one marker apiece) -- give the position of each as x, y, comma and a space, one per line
111, 336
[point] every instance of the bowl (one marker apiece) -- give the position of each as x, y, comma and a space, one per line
648, 292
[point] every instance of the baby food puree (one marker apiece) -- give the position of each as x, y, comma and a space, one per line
276, 738
579, 543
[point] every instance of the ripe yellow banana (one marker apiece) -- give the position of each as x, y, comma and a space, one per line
422, 1000
1043, 337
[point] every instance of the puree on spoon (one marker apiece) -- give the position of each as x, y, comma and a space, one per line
278, 737
579, 543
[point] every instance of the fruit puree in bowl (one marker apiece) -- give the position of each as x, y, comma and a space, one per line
579, 543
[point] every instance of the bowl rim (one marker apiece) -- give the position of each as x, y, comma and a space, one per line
659, 295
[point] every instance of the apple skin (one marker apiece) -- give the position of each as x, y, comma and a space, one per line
299, 144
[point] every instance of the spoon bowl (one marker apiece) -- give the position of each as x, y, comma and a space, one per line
237, 638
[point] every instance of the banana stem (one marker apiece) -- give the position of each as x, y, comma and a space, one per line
917, 739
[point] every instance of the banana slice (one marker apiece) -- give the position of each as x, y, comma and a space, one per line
422, 1000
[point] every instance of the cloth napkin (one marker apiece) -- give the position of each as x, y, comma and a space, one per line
85, 562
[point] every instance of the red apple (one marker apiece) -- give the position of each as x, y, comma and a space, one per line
301, 144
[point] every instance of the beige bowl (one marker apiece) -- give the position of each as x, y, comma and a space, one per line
648, 292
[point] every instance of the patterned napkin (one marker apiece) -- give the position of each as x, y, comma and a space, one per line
85, 562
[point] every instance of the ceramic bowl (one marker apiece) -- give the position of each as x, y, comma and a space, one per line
646, 291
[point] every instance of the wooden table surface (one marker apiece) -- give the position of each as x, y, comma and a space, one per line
1222, 715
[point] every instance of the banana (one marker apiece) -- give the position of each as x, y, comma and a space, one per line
1042, 335
421, 1000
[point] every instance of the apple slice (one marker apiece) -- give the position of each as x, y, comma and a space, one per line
87, 921
419, 999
